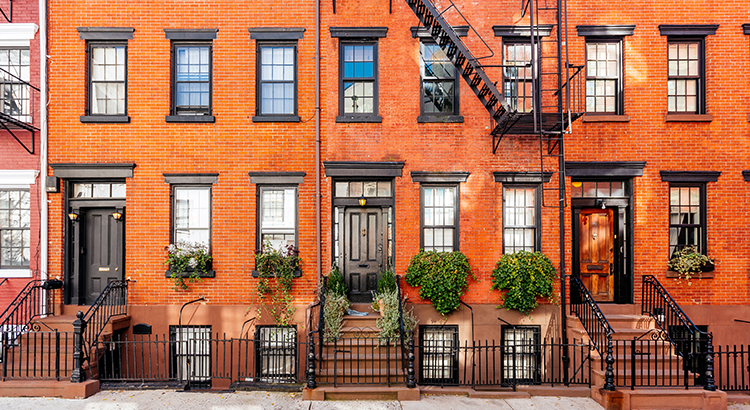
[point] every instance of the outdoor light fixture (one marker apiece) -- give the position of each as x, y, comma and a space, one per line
576, 184
362, 200
73, 217
117, 215
601, 203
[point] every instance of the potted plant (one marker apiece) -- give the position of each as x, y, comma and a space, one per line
688, 261
187, 260
442, 278
525, 276
385, 301
276, 270
336, 305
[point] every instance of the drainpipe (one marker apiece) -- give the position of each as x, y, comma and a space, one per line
318, 215
43, 235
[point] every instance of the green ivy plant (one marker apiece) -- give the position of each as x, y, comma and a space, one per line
525, 276
389, 323
276, 269
687, 262
336, 305
185, 257
442, 278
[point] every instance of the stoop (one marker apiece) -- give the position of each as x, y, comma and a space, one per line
658, 398
49, 388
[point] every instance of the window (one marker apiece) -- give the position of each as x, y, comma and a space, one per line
14, 78
439, 82
520, 219
603, 77
517, 75
107, 82
440, 218
277, 77
685, 83
191, 212
438, 356
278, 216
276, 353
15, 235
192, 79
191, 354
521, 355
687, 216
359, 78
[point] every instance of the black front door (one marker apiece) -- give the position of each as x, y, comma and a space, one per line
364, 256
101, 253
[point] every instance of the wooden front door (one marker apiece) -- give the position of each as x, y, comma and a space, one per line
363, 251
101, 254
596, 257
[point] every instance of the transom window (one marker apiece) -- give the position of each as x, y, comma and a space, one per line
440, 218
359, 78
602, 76
438, 81
192, 215
355, 189
14, 78
15, 234
520, 208
107, 76
192, 79
684, 83
98, 190
600, 189
517, 76
278, 217
687, 211
278, 74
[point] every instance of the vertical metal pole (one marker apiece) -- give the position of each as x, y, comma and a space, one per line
710, 385
410, 379
79, 326
311, 361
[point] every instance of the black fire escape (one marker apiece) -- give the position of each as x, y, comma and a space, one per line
17, 109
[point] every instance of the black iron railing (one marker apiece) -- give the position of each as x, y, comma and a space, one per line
692, 344
732, 368
33, 301
38, 355
598, 328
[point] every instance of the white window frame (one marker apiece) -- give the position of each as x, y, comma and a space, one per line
15, 180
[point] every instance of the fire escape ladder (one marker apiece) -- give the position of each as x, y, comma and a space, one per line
467, 64
17, 99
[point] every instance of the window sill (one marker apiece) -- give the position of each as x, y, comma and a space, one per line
276, 118
605, 118
208, 274
105, 119
297, 274
190, 118
359, 118
689, 118
446, 119
699, 275
15, 273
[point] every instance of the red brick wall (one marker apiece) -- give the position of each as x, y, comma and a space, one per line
233, 146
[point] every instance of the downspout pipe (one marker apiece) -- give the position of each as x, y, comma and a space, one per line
42, 264
318, 215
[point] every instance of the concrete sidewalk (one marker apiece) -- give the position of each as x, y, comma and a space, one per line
170, 399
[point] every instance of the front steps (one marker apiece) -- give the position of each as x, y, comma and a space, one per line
664, 368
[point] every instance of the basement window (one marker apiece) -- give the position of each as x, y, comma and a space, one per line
438, 356
521, 355
191, 354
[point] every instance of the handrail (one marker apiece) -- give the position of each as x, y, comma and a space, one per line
111, 302
596, 324
657, 303
27, 306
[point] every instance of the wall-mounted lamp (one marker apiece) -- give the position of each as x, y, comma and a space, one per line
576, 184
73, 217
117, 215
362, 200
600, 203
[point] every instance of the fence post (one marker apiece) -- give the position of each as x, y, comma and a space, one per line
79, 326
710, 385
609, 374
410, 379
311, 362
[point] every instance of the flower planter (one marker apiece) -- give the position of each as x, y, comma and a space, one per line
186, 274
297, 274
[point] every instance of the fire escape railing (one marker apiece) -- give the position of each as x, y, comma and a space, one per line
596, 324
657, 303
18, 101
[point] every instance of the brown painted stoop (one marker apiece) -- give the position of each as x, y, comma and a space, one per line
628, 323
41, 376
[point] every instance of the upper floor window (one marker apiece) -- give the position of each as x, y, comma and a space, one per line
520, 219
107, 82
15, 234
439, 82
191, 211
517, 75
440, 218
687, 216
277, 79
603, 77
192, 75
278, 217
14, 78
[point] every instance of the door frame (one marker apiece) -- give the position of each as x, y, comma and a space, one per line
74, 290
622, 243
344, 236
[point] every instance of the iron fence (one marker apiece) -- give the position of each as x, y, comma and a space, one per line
732, 368
38, 355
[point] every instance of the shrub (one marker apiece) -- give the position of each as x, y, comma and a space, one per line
388, 323
333, 316
525, 276
441, 278
336, 284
